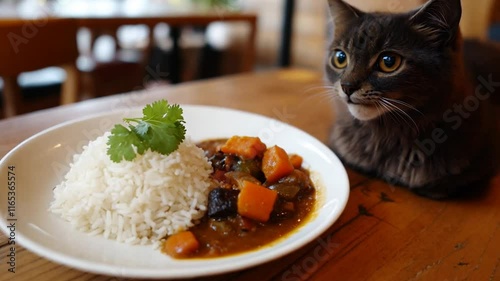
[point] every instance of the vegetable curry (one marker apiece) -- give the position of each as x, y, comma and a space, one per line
259, 195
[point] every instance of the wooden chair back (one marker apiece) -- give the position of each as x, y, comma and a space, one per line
27, 45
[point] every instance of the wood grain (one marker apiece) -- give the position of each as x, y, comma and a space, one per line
384, 233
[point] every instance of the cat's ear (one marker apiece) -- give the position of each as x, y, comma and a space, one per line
438, 21
342, 13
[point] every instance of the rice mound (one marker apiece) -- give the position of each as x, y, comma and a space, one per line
136, 202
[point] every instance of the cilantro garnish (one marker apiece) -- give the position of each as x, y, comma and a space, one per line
161, 129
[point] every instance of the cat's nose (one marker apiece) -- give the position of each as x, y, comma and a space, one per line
349, 88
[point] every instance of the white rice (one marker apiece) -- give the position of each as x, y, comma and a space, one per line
136, 202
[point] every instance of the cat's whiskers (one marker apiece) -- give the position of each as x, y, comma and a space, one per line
320, 86
395, 117
322, 96
323, 92
383, 117
380, 112
401, 113
404, 104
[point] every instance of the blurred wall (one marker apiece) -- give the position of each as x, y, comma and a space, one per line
311, 18
310, 27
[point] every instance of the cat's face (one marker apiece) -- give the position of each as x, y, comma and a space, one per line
381, 63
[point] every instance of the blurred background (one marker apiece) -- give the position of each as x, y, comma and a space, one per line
128, 45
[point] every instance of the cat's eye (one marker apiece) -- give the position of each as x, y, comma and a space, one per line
339, 59
389, 62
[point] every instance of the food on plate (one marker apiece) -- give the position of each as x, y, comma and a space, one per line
181, 244
256, 201
161, 130
258, 196
147, 183
246, 147
143, 199
139, 201
276, 164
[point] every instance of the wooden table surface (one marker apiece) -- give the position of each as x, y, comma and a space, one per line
385, 232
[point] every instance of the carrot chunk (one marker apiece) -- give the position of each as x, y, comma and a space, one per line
247, 147
181, 244
296, 160
276, 164
256, 202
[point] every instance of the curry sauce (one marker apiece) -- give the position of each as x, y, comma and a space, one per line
224, 230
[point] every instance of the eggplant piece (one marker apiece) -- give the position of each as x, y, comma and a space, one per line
298, 178
249, 166
286, 190
222, 203
218, 161
224, 162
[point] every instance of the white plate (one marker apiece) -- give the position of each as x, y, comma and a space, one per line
41, 161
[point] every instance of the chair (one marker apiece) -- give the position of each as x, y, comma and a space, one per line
121, 71
28, 45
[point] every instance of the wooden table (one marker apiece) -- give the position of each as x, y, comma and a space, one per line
385, 232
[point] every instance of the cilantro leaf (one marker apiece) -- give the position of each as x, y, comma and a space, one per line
161, 129
157, 110
165, 138
142, 128
174, 114
121, 144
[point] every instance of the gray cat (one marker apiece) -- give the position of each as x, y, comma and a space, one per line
413, 109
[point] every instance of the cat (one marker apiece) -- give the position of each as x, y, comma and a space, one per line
410, 107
